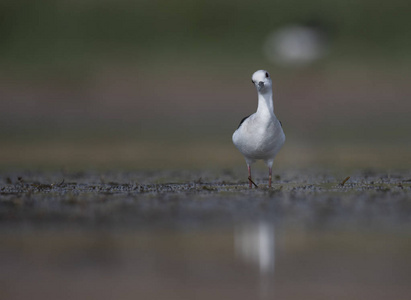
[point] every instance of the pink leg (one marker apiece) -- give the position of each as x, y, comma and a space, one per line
250, 180
270, 170
249, 176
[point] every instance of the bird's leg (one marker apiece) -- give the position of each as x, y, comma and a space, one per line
249, 176
250, 181
270, 171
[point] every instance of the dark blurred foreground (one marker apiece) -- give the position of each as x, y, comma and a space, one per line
203, 235
204, 265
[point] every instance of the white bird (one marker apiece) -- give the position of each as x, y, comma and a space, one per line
260, 136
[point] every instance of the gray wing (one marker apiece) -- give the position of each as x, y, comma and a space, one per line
242, 121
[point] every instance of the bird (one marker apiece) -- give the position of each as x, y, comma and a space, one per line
260, 136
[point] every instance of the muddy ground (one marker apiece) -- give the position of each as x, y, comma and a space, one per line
316, 234
205, 198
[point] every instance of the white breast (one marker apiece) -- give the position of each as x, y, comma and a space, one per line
259, 138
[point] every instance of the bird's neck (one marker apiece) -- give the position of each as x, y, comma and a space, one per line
265, 104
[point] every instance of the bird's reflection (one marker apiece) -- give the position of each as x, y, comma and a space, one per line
254, 243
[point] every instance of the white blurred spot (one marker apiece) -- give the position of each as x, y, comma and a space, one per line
254, 243
295, 45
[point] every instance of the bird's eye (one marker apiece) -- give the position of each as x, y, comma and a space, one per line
252, 81
266, 75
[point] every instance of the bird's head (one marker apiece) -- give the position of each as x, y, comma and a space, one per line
262, 81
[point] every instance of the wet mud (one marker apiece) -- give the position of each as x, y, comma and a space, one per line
188, 199
316, 234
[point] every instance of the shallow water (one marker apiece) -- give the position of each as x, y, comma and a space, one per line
132, 235
249, 261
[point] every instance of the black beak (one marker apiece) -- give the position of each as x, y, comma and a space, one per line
261, 84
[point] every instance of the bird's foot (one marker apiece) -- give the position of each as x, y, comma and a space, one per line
252, 182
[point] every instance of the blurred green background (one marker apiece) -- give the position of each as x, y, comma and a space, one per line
163, 84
